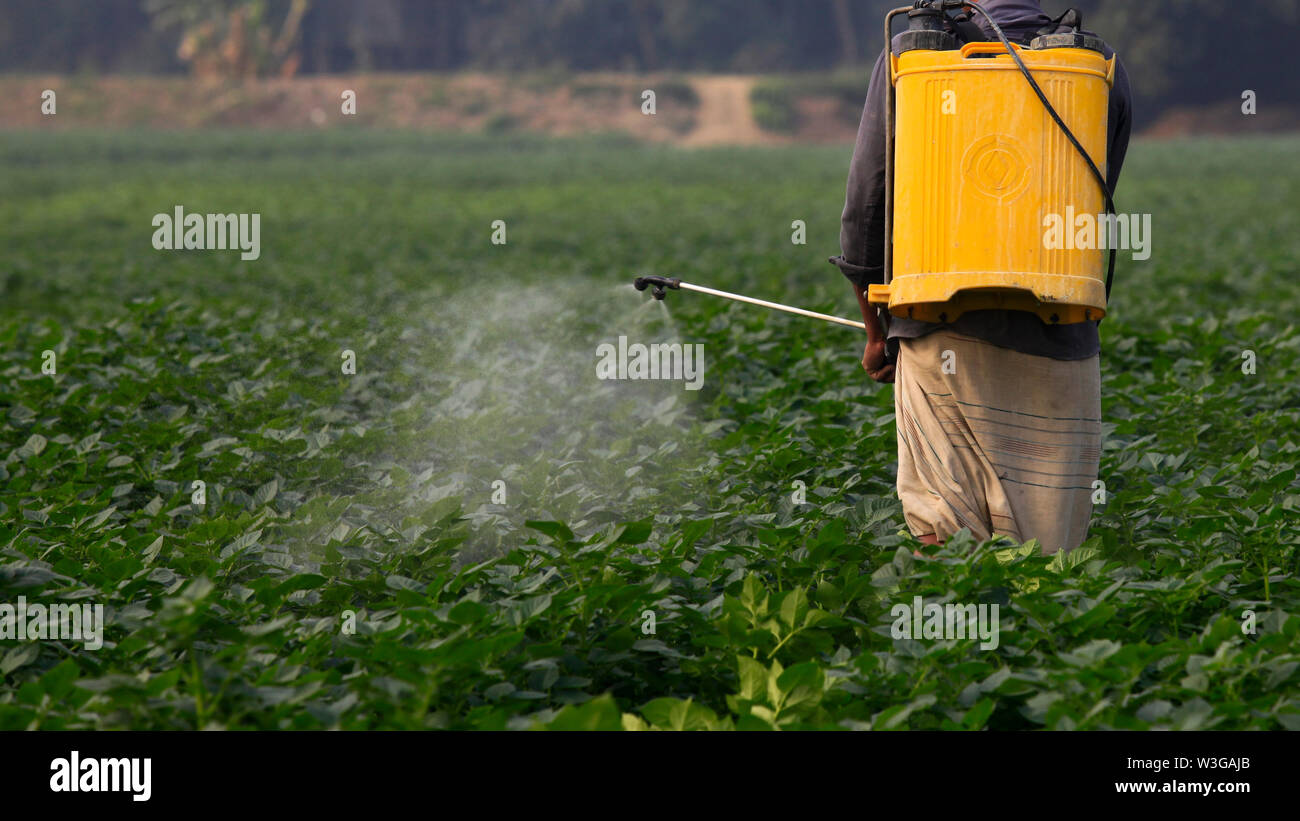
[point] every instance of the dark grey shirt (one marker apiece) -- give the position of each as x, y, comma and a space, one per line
862, 226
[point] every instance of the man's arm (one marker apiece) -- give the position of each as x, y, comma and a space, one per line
874, 360
862, 225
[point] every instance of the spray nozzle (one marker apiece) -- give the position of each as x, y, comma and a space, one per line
660, 283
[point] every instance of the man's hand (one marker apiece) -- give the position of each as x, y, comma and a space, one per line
873, 358
873, 362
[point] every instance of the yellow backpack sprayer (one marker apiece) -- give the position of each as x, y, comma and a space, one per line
983, 165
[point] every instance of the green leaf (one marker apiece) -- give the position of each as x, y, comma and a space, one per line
634, 533
19, 656
753, 597
801, 685
98, 519
34, 445
794, 604
676, 714
265, 493
896, 717
753, 678
531, 608
60, 678
977, 716
467, 612
556, 530
240, 544
598, 714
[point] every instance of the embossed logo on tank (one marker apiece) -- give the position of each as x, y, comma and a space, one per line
997, 166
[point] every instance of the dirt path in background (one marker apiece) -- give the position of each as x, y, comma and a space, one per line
723, 116
595, 103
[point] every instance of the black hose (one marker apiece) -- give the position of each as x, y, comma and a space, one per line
1092, 166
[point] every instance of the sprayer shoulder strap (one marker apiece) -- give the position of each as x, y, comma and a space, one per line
967, 30
1071, 20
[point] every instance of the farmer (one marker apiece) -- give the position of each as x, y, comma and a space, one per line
1010, 443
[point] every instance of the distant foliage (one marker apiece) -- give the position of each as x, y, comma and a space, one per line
774, 100
1179, 51
234, 38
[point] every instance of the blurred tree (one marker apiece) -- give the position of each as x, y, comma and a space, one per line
72, 35
642, 15
847, 31
1197, 51
234, 38
375, 35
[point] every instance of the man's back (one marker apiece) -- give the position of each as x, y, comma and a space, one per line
998, 414
862, 222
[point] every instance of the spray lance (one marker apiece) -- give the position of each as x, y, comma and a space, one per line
662, 284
